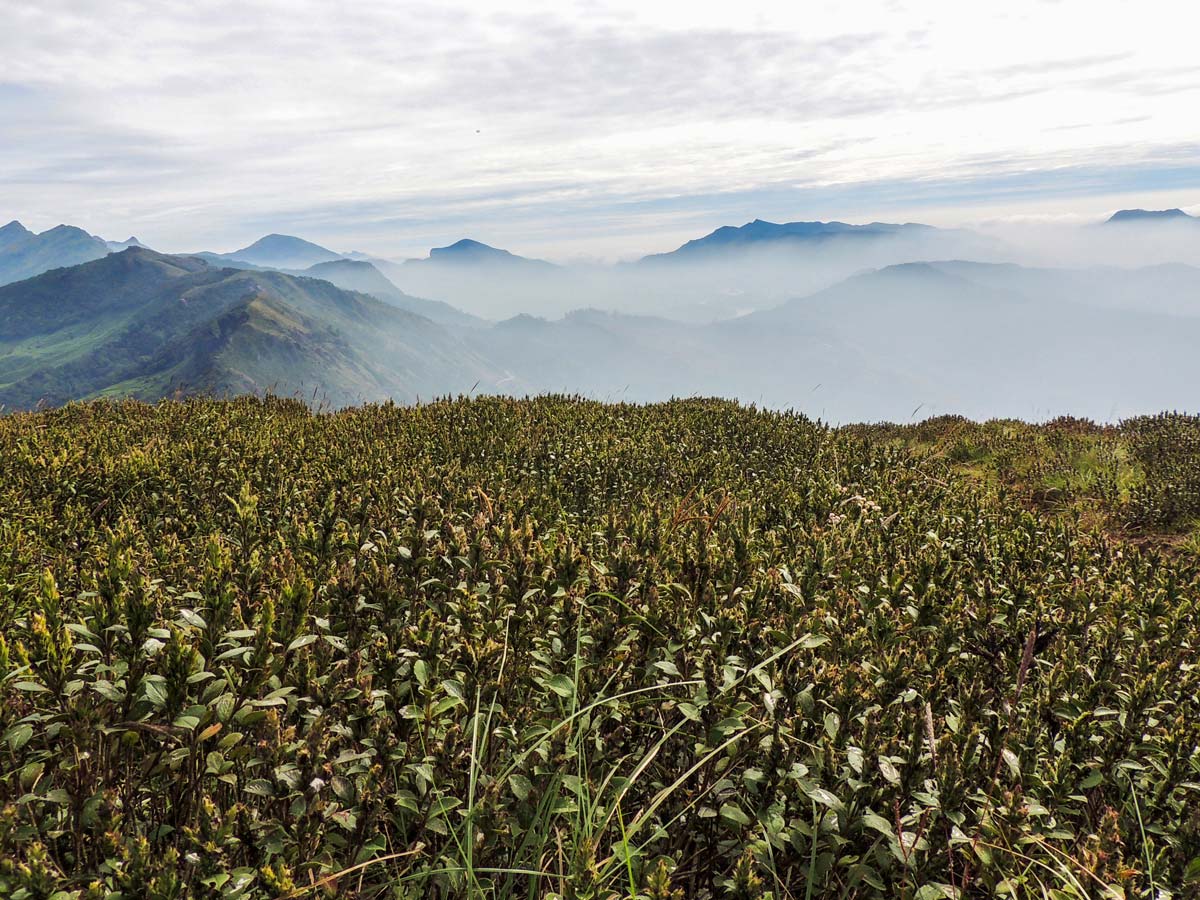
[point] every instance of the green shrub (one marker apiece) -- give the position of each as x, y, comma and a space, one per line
559, 648
1167, 449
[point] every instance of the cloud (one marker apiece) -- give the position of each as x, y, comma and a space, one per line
198, 124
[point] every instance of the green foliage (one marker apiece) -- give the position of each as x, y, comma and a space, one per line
1167, 447
558, 648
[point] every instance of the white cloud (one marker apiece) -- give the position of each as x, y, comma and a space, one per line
609, 128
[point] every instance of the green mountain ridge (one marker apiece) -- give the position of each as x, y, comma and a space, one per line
146, 325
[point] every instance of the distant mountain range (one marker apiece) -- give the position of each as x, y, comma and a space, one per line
730, 271
818, 316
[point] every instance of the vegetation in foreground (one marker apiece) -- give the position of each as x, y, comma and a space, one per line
537, 648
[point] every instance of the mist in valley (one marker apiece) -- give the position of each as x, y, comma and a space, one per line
1096, 320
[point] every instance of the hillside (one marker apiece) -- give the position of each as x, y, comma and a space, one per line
497, 648
24, 254
146, 325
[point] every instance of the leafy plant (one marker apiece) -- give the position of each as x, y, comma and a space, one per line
555, 648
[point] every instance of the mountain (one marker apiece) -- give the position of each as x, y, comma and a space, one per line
759, 233
365, 277
485, 281
281, 251
472, 253
143, 324
24, 254
1150, 215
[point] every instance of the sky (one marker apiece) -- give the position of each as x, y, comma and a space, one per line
593, 130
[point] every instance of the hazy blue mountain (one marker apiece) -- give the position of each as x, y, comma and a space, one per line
472, 253
484, 281
759, 233
365, 277
146, 325
281, 251
1151, 215
24, 254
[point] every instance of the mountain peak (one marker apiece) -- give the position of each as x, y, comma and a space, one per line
66, 231
470, 252
469, 248
283, 251
278, 241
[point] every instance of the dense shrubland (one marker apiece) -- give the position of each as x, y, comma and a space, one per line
551, 647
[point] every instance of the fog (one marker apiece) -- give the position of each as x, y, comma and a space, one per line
710, 286
1101, 321
1106, 244
698, 287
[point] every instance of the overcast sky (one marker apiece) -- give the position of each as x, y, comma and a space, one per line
599, 129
